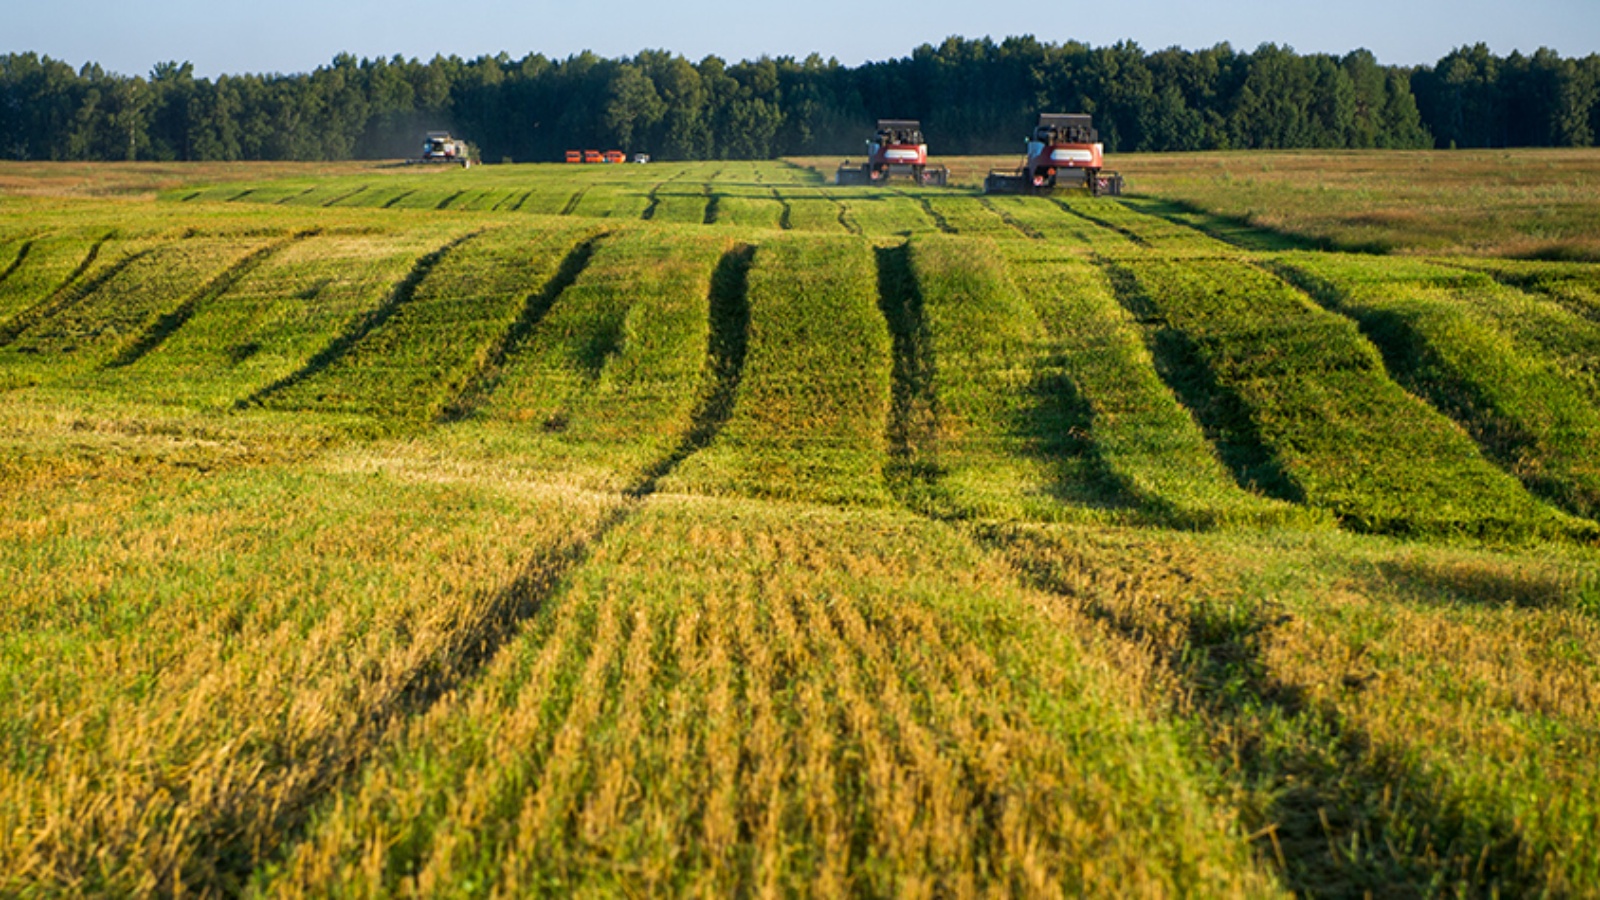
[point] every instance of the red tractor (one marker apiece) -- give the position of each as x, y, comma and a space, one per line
1063, 148
897, 149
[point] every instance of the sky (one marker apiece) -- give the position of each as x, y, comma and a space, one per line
261, 36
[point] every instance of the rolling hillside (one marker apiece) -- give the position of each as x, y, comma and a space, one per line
707, 529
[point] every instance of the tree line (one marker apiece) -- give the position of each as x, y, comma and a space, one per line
973, 96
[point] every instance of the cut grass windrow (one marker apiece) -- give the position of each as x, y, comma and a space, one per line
278, 317
442, 325
603, 389
1300, 407
47, 283
812, 405
105, 314
1575, 286
1516, 370
1095, 371
170, 321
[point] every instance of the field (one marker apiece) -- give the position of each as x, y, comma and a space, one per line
707, 529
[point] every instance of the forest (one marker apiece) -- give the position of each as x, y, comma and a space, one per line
974, 96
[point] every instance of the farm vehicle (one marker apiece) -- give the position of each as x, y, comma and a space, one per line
897, 148
439, 147
1064, 148
595, 156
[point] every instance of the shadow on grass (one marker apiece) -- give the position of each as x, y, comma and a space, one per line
727, 343
339, 346
1333, 814
913, 406
1223, 416
1239, 230
1059, 429
483, 382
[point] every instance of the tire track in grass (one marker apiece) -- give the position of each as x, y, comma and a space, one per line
1101, 223
69, 292
522, 200
340, 198
445, 203
340, 345
936, 216
170, 321
390, 204
1022, 227
573, 201
498, 621
482, 383
783, 217
285, 199
655, 200
846, 222
16, 262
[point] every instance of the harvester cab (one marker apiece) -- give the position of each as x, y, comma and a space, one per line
897, 148
1063, 149
440, 147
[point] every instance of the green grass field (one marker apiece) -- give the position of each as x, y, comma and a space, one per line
707, 529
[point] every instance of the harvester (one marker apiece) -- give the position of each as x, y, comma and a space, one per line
896, 149
1063, 149
440, 147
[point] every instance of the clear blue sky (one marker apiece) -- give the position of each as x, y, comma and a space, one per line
297, 35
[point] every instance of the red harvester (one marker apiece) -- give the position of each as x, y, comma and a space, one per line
897, 149
1063, 148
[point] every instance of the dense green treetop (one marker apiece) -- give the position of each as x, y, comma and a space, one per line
973, 96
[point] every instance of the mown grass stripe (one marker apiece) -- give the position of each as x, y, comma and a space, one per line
70, 293
402, 294
169, 322
1301, 407
1487, 356
482, 382
727, 341
812, 408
